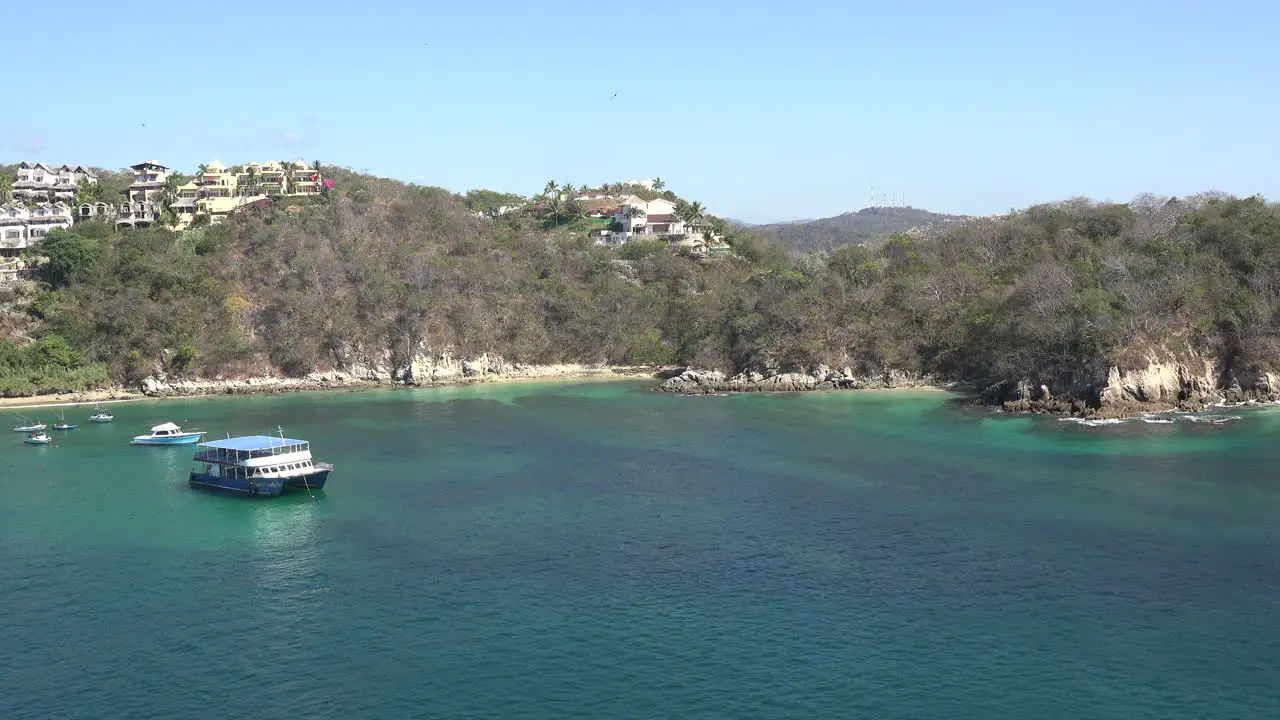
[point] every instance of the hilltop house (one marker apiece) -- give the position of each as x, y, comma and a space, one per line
294, 178
148, 182
215, 181
95, 211
37, 182
22, 227
635, 217
145, 196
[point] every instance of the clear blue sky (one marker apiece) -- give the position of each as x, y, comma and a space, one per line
762, 110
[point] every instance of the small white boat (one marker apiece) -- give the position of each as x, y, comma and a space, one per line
37, 438
101, 416
168, 434
62, 423
30, 427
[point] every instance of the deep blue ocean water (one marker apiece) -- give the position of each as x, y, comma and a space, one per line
599, 551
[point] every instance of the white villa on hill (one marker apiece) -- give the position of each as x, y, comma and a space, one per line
144, 195
37, 182
639, 217
96, 211
22, 227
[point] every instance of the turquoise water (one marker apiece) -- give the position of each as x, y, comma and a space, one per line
599, 551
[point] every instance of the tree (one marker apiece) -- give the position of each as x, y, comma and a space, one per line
658, 184
490, 202
67, 257
287, 173
6, 189
53, 349
555, 209
251, 182
550, 188
87, 192
690, 212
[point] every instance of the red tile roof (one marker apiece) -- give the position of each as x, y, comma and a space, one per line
661, 219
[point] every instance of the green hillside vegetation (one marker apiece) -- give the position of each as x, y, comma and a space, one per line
851, 228
1053, 294
48, 366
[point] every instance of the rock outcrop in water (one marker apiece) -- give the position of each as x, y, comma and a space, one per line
1190, 383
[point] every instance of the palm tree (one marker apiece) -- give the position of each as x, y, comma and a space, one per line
658, 184
251, 183
201, 169
690, 212
694, 213
286, 168
6, 189
556, 208
550, 188
568, 190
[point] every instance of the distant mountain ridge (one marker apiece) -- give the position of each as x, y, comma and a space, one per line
848, 229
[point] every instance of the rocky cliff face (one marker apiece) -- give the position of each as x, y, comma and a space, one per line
1192, 383
704, 382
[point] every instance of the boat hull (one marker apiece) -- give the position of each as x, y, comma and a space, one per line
29, 441
101, 420
31, 428
188, 439
64, 427
310, 481
269, 486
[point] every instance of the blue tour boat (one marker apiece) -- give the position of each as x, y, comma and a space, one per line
168, 434
258, 465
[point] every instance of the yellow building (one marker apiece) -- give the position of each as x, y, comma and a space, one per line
219, 208
276, 178
216, 181
217, 191
305, 180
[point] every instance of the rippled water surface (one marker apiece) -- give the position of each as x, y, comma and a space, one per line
599, 551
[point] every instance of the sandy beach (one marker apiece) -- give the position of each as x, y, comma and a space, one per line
263, 386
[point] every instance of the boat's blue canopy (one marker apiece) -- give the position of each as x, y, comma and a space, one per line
251, 442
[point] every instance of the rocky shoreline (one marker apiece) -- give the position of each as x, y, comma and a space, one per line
1191, 385
1185, 385
426, 371
708, 382
468, 373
